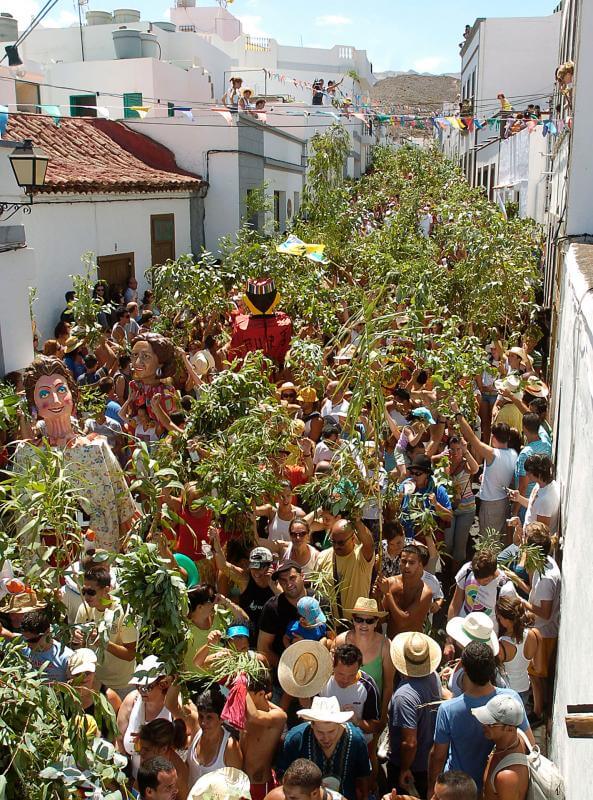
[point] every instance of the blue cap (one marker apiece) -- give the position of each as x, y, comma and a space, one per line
310, 610
237, 630
424, 413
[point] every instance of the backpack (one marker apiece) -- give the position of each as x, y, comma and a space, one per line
545, 781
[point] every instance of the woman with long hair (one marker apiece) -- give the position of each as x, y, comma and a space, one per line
518, 643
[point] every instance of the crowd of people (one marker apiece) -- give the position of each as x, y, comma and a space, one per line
403, 646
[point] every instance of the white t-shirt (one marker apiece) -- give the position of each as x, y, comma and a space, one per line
481, 598
330, 410
547, 587
434, 585
498, 475
544, 501
323, 452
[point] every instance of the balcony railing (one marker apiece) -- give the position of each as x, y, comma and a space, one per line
187, 28
257, 44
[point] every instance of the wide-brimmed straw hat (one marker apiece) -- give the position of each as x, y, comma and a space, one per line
325, 709
366, 605
307, 395
536, 387
304, 669
21, 603
414, 654
526, 359
227, 783
476, 627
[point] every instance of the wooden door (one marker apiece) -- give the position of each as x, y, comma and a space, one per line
162, 238
116, 269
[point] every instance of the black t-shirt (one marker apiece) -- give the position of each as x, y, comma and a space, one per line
277, 613
252, 601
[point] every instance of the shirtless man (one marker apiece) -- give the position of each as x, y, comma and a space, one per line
406, 597
260, 739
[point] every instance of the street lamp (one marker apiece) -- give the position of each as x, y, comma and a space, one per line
29, 165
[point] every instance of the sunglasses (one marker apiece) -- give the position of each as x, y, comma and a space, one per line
298, 534
288, 396
341, 542
417, 472
363, 620
88, 592
144, 690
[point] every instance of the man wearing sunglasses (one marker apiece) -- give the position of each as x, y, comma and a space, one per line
42, 650
118, 661
421, 487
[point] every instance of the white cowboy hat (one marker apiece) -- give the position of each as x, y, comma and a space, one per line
476, 627
512, 384
415, 654
325, 709
304, 669
228, 783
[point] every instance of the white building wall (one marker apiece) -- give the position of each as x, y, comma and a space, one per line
17, 274
61, 228
573, 392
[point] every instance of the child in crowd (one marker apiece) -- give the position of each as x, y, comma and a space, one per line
311, 623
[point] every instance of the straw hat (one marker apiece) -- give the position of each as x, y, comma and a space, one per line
526, 360
325, 709
21, 603
415, 654
228, 783
366, 605
304, 669
536, 387
476, 627
72, 343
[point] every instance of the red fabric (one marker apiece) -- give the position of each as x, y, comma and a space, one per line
141, 395
234, 711
271, 334
193, 532
259, 790
297, 476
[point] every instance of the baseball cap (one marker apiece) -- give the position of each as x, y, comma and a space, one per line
285, 567
83, 660
310, 610
502, 709
260, 557
149, 671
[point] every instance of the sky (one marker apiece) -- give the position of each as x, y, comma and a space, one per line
397, 34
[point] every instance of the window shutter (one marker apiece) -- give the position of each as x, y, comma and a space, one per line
132, 99
79, 105
171, 109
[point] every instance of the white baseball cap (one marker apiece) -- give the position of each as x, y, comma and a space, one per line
502, 710
82, 660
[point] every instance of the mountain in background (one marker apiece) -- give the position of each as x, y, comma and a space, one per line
396, 73
408, 91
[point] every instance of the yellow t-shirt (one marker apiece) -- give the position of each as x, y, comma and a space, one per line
512, 415
112, 671
354, 573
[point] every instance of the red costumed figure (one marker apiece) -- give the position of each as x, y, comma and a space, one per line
263, 329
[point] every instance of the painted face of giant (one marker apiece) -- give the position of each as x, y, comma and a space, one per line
145, 362
53, 398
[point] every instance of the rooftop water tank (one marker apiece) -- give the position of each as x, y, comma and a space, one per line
9, 28
127, 43
121, 16
166, 26
99, 18
149, 45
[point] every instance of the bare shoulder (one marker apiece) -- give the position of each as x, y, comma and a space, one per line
275, 794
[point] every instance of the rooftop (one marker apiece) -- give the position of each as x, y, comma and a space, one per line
98, 156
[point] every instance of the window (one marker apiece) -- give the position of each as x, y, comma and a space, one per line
83, 105
130, 100
27, 97
170, 109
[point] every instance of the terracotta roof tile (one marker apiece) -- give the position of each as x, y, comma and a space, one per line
84, 159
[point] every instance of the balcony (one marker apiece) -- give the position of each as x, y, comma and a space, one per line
257, 44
